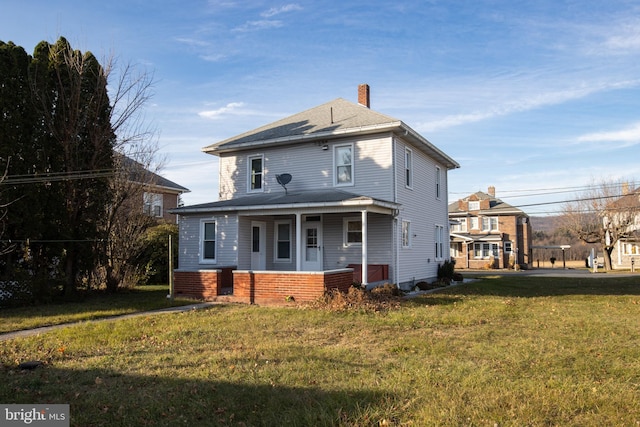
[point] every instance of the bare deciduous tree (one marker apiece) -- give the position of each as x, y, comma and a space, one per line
604, 214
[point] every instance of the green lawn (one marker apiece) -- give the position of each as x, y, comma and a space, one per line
505, 351
94, 306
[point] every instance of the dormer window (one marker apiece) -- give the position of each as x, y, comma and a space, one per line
255, 173
474, 206
343, 164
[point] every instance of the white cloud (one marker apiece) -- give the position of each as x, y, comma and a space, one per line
629, 136
263, 24
230, 108
282, 9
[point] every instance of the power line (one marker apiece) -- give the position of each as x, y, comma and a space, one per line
57, 176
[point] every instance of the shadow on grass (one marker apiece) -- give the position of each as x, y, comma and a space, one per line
99, 397
529, 286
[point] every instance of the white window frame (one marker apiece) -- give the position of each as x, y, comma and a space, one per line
151, 202
487, 250
408, 168
345, 231
630, 249
202, 241
406, 234
438, 182
251, 173
336, 165
474, 223
490, 223
276, 241
474, 206
439, 240
460, 226
455, 249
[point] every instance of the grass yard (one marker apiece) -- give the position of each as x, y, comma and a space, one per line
505, 351
95, 306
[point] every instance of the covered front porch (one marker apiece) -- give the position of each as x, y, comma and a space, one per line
295, 251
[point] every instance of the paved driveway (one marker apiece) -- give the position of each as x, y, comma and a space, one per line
550, 272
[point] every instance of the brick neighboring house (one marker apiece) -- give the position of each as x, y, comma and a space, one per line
318, 200
160, 194
489, 233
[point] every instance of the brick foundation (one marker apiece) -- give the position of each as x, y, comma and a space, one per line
201, 284
277, 286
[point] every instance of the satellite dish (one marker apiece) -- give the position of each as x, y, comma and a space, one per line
283, 180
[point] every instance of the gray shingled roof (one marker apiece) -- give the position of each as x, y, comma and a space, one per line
496, 206
333, 119
137, 172
275, 200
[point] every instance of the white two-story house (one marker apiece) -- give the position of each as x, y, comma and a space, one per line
324, 198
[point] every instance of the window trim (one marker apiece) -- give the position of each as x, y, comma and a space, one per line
439, 242
202, 241
475, 203
408, 168
474, 223
250, 173
438, 182
405, 244
276, 240
153, 200
345, 232
336, 183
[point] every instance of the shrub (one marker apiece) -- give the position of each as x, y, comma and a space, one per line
446, 270
381, 298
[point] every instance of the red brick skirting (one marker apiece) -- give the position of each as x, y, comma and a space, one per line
262, 287
201, 284
278, 286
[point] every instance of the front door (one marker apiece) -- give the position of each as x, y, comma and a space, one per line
258, 245
312, 243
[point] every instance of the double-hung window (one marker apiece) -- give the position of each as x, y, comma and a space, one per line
352, 231
208, 241
343, 164
439, 242
256, 174
408, 168
406, 234
283, 241
152, 204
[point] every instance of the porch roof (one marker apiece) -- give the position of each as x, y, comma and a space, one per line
468, 237
334, 199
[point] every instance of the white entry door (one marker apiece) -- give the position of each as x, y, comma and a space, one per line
258, 245
312, 243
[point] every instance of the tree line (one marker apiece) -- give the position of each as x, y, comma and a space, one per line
75, 158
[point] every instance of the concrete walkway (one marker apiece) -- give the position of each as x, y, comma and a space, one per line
43, 329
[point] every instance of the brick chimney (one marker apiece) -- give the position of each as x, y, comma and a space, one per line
492, 191
363, 95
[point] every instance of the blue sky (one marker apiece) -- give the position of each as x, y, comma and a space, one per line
537, 98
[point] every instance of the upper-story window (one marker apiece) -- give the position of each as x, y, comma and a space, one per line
474, 206
438, 182
255, 173
408, 168
460, 226
489, 223
474, 223
343, 164
152, 204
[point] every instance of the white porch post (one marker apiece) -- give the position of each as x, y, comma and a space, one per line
365, 249
298, 241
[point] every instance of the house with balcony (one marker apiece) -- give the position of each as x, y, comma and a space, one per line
489, 233
328, 197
